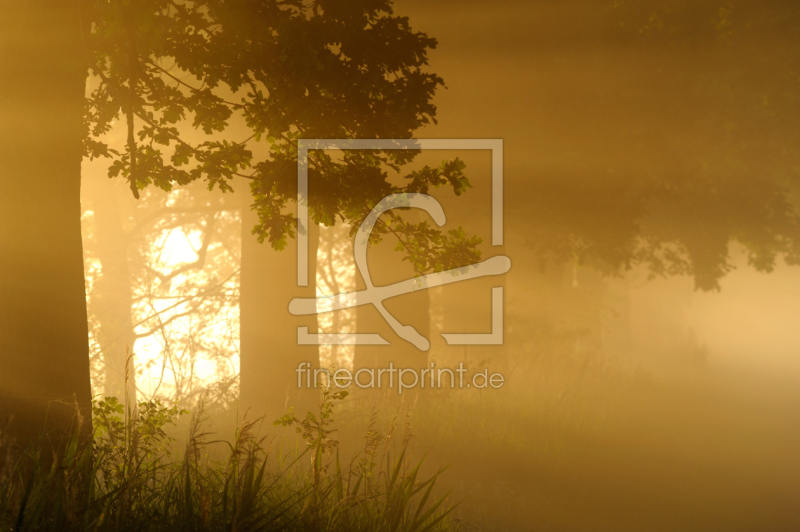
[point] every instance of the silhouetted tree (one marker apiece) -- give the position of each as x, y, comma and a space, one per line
44, 360
186, 308
726, 176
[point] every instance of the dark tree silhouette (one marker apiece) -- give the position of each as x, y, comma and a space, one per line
44, 364
725, 176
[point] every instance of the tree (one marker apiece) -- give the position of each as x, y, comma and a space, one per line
112, 294
44, 362
726, 176
325, 69
275, 71
184, 308
411, 309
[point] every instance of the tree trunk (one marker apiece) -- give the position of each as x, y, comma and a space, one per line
269, 353
112, 293
386, 266
44, 360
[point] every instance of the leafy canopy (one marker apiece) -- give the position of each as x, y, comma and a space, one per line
180, 73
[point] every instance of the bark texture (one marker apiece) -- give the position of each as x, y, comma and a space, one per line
44, 362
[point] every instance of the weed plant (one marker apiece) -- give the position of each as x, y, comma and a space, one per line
128, 477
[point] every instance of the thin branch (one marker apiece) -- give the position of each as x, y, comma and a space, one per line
193, 89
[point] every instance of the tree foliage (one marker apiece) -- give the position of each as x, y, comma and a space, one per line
719, 164
270, 73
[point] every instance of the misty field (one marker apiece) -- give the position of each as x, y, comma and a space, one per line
582, 446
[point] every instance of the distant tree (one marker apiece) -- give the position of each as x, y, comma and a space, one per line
183, 309
729, 177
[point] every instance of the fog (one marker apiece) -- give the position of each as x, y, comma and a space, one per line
631, 402
649, 340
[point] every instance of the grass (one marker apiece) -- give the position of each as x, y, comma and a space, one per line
128, 476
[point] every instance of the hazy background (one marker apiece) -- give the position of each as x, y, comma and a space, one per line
631, 402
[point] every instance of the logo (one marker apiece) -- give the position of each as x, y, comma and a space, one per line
376, 295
